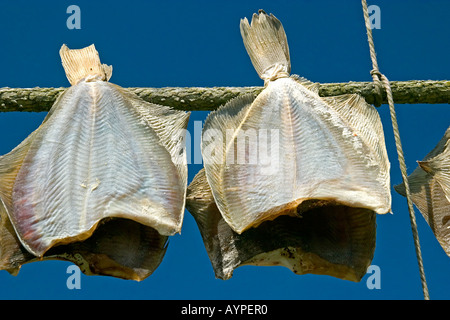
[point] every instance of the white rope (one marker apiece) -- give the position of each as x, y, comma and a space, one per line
381, 80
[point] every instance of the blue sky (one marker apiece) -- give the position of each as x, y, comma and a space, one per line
198, 43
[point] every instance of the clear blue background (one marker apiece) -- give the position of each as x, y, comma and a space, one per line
197, 43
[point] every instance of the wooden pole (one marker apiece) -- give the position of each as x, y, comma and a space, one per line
206, 99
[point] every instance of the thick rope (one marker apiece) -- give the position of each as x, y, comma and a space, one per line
380, 81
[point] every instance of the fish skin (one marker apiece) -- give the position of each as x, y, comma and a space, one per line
325, 239
429, 185
101, 153
86, 164
320, 154
326, 148
310, 203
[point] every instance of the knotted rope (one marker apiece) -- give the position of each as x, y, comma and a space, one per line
380, 81
275, 72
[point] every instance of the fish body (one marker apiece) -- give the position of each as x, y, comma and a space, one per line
429, 186
290, 178
101, 153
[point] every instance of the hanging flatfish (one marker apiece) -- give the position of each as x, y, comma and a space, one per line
101, 156
430, 190
265, 156
290, 178
330, 239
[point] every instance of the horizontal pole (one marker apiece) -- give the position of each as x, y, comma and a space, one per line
210, 98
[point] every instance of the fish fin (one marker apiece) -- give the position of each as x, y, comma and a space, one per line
10, 164
313, 86
439, 167
200, 200
438, 163
169, 124
12, 254
365, 122
228, 118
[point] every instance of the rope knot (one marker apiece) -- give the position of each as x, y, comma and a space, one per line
375, 72
377, 77
275, 72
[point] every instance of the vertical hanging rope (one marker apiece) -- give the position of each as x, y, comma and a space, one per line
379, 81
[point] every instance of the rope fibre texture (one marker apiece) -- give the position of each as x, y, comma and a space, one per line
380, 81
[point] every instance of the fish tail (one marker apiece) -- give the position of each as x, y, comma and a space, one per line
266, 44
83, 64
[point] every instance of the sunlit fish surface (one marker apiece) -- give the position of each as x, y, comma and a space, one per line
429, 186
289, 151
103, 159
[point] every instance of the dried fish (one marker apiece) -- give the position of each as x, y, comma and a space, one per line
324, 148
329, 239
119, 248
290, 174
430, 190
101, 153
